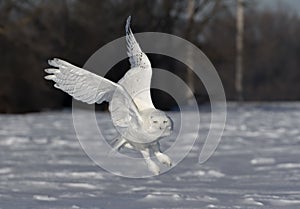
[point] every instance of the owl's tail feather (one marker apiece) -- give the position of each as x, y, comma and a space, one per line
117, 144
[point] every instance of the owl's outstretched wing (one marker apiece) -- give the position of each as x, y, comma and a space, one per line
137, 57
91, 88
137, 80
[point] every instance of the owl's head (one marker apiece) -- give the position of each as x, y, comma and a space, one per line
159, 122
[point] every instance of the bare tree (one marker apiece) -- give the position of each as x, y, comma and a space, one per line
189, 75
239, 48
198, 15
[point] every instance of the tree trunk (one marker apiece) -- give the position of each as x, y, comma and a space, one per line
189, 75
239, 48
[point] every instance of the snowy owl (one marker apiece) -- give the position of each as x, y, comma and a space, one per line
139, 123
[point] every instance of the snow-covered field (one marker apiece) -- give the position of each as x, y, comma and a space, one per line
257, 165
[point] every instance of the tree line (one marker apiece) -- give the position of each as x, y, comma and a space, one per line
33, 31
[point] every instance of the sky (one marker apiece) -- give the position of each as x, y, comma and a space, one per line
291, 4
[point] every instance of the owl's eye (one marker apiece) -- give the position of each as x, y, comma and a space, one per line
165, 121
155, 121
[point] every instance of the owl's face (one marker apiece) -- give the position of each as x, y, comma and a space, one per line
159, 122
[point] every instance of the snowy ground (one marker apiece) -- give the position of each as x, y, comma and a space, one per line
257, 165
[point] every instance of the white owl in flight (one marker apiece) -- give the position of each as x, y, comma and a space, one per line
139, 123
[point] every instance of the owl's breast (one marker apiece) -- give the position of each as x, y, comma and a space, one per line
140, 135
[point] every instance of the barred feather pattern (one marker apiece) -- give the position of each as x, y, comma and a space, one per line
137, 58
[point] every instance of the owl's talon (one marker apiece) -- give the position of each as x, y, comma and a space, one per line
163, 158
153, 167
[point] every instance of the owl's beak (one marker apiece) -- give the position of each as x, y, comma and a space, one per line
168, 130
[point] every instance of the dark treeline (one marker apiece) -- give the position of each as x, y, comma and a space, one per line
33, 31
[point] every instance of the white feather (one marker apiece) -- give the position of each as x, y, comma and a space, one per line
91, 88
137, 80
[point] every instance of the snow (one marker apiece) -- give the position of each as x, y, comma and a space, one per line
256, 165
262, 161
43, 198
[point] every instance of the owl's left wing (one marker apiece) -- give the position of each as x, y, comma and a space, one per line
137, 80
91, 88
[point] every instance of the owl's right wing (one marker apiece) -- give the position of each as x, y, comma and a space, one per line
137, 80
91, 88
137, 57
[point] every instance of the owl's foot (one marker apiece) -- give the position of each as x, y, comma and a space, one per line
163, 158
153, 167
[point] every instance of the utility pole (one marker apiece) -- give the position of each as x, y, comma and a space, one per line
239, 49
